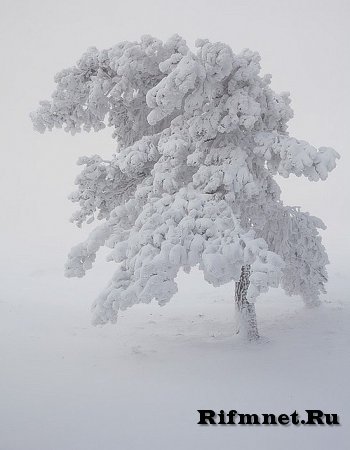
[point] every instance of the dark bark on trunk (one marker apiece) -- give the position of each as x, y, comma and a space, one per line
245, 311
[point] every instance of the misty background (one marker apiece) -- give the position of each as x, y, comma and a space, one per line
303, 44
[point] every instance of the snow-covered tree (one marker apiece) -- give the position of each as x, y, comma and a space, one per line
200, 136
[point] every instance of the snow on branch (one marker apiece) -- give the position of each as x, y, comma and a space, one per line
200, 136
184, 230
286, 155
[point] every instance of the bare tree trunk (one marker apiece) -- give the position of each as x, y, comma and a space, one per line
245, 311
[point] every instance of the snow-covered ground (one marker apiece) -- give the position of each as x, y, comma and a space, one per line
66, 385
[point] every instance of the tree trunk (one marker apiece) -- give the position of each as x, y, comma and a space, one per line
245, 311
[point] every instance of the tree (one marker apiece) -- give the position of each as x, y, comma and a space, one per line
200, 136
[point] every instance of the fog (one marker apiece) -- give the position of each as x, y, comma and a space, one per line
303, 44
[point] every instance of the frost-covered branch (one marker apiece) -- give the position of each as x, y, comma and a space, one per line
286, 155
200, 135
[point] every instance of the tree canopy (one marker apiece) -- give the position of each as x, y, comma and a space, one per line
200, 136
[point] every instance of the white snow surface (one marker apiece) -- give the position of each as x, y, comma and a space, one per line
65, 385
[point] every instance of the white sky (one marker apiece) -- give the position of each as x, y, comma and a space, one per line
304, 44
